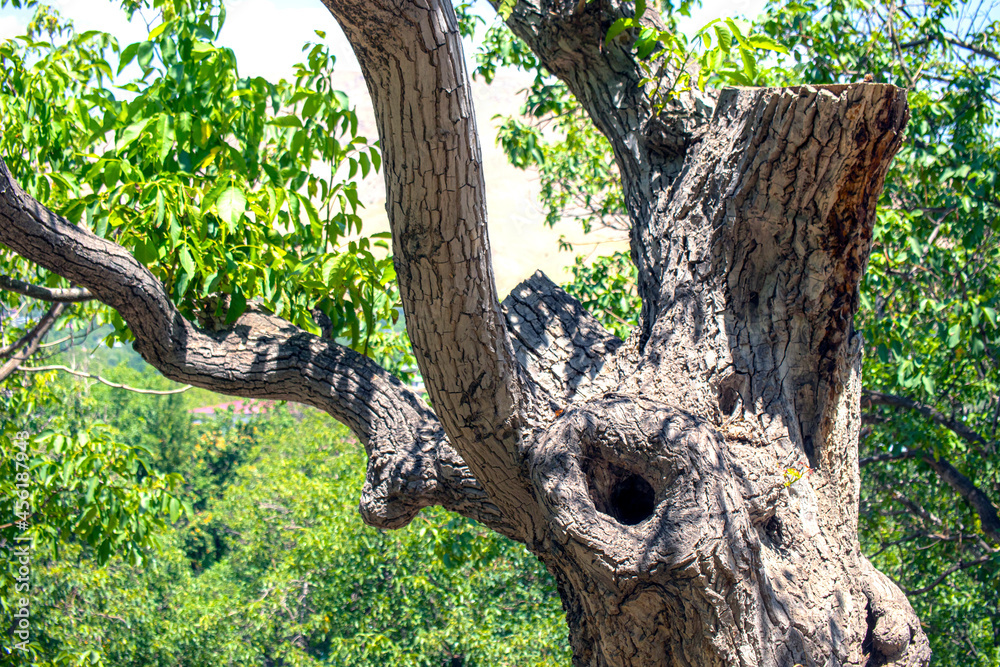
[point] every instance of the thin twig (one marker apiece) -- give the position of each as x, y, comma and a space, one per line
55, 342
962, 565
115, 385
954, 425
20, 351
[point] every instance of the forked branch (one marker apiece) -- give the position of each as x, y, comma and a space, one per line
411, 55
18, 352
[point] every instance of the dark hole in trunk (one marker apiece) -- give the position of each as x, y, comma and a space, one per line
773, 530
632, 500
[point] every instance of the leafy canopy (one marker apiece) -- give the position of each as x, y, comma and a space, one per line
228, 188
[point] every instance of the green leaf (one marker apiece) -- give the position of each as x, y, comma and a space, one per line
200, 50
128, 54
130, 133
145, 54
767, 43
175, 509
735, 29
158, 30
725, 37
231, 205
237, 306
647, 44
954, 335
91, 488
112, 172
285, 121
617, 28
505, 8
164, 135
187, 262
103, 554
182, 284
749, 63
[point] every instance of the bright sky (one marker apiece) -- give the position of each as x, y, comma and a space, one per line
267, 35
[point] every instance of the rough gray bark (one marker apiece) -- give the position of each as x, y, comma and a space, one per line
650, 476
562, 346
50, 294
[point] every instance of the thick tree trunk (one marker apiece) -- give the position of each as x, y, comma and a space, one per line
678, 527
694, 490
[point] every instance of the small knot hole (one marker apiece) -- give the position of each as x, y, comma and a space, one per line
632, 500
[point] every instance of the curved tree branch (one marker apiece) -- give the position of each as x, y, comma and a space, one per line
979, 50
964, 486
113, 385
884, 458
989, 518
870, 397
962, 565
649, 146
51, 294
28, 344
411, 56
411, 464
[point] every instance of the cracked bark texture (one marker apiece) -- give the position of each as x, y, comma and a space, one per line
648, 475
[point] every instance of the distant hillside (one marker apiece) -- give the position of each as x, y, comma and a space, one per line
521, 242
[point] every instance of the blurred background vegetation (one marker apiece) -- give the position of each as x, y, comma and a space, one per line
268, 562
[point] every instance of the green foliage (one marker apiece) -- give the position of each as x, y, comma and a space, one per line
205, 454
227, 188
606, 288
724, 52
77, 484
505, 8
301, 581
467, 19
575, 163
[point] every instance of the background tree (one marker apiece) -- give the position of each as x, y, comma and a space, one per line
274, 567
696, 513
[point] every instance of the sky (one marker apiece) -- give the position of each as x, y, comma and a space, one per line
267, 35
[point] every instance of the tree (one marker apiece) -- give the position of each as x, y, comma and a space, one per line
694, 490
928, 301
